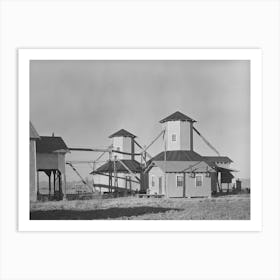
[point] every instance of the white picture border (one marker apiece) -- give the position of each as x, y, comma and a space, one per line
254, 55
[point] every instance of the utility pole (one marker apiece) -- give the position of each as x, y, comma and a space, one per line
115, 176
165, 179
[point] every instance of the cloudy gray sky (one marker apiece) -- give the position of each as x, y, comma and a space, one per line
86, 101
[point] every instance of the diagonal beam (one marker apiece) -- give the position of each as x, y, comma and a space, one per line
80, 176
129, 171
207, 142
161, 133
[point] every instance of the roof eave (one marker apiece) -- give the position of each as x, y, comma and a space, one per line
170, 120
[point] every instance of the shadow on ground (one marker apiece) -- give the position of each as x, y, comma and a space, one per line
99, 214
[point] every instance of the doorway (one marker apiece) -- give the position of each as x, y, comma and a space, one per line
160, 185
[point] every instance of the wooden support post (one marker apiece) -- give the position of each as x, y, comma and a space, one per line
125, 192
132, 149
38, 184
65, 186
165, 159
191, 136
115, 176
59, 182
220, 182
50, 188
184, 184
110, 172
60, 185
110, 181
54, 181
93, 184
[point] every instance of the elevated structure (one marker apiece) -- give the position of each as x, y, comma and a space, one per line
123, 141
179, 131
121, 166
51, 152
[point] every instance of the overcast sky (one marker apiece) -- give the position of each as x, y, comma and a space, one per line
86, 101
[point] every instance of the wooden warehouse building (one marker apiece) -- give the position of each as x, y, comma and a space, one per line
181, 172
33, 138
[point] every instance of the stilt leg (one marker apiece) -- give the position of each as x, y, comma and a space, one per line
54, 183
50, 189
38, 186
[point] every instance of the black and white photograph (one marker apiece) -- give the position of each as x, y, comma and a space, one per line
140, 139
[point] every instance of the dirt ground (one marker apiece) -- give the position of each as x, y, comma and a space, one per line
230, 207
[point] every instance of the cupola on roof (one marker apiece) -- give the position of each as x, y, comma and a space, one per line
122, 133
177, 116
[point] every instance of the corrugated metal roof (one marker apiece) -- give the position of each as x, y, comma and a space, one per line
178, 155
33, 134
122, 133
133, 165
177, 116
50, 144
216, 159
183, 166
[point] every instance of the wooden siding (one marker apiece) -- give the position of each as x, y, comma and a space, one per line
172, 189
61, 162
180, 166
32, 171
208, 184
193, 191
51, 161
157, 173
214, 181
190, 188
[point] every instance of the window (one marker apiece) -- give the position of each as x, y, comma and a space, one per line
198, 180
179, 181
173, 137
153, 181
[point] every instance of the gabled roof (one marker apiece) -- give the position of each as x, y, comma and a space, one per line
50, 144
33, 134
122, 133
133, 165
183, 166
218, 159
177, 116
178, 156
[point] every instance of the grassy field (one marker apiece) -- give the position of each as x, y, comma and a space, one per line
231, 207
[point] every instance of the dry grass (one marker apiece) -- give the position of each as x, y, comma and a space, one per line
232, 207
